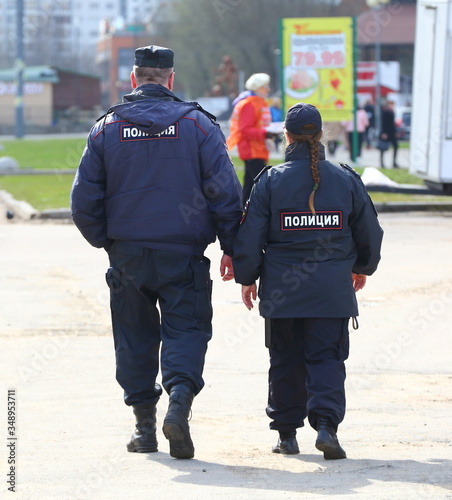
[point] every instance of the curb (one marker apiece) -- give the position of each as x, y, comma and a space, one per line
24, 210
36, 171
403, 188
413, 206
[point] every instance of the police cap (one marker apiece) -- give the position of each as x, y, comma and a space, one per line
303, 119
154, 56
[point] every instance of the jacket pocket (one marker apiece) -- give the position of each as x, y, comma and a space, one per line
117, 283
202, 288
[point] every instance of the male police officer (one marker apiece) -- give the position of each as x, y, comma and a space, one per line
154, 187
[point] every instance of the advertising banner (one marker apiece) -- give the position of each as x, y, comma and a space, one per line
318, 64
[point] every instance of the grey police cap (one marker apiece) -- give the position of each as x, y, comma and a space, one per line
154, 56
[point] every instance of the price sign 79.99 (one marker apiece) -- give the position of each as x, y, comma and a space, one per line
318, 51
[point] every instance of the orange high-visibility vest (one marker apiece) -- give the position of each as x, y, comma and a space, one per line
250, 140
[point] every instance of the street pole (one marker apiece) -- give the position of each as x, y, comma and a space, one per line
377, 74
19, 66
277, 86
376, 6
354, 144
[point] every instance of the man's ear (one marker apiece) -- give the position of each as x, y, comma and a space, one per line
171, 81
133, 80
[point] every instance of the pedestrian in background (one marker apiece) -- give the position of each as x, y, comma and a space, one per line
362, 122
277, 117
154, 187
388, 134
334, 135
250, 117
311, 235
369, 108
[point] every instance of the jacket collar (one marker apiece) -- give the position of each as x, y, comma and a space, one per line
152, 90
301, 151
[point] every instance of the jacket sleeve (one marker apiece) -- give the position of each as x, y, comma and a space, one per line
221, 188
367, 232
88, 194
252, 236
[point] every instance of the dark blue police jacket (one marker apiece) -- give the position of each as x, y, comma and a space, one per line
305, 261
156, 172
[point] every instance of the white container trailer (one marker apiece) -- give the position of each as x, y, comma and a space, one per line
431, 128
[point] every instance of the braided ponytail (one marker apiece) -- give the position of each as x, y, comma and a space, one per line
313, 142
314, 150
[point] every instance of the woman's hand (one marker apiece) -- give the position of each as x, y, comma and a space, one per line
248, 293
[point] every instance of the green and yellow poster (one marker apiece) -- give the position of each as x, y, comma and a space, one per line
318, 64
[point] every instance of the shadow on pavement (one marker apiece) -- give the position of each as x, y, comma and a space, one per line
324, 477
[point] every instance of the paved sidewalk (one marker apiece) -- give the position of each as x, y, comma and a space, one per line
369, 157
72, 426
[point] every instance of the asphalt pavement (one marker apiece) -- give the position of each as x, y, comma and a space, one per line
57, 364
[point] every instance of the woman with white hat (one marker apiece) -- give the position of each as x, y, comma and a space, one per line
248, 132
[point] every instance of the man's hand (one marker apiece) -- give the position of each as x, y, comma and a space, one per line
248, 293
359, 281
226, 269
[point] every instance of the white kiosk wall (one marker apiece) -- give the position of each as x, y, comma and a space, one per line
431, 130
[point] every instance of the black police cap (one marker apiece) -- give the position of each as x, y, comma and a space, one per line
154, 57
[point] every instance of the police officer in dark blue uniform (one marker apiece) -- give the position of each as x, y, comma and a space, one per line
154, 187
310, 258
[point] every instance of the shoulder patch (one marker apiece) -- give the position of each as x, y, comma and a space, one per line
261, 173
350, 169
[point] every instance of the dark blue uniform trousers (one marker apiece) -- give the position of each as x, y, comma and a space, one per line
307, 371
138, 279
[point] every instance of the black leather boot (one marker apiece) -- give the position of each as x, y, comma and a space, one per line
144, 439
287, 443
327, 441
175, 425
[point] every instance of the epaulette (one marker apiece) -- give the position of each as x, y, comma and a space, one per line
200, 108
109, 110
210, 115
350, 169
102, 117
258, 176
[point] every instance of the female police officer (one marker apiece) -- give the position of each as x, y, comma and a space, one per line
311, 234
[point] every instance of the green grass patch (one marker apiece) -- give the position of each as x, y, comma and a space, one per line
45, 153
399, 175
41, 191
52, 191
